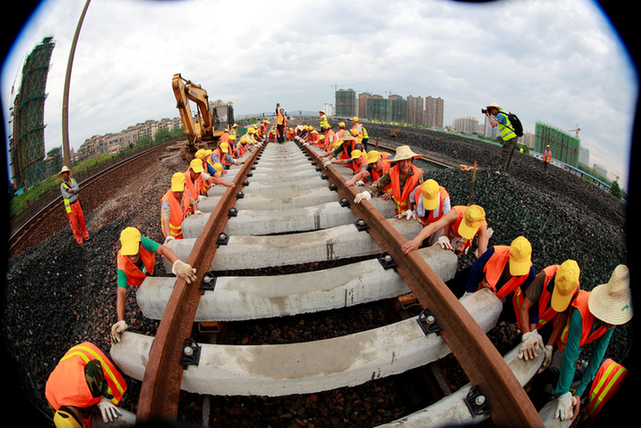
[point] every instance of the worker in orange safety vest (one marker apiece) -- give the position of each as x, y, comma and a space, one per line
403, 178
378, 163
542, 308
430, 202
136, 261
69, 189
83, 383
547, 158
174, 207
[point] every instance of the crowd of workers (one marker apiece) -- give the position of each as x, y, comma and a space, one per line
549, 307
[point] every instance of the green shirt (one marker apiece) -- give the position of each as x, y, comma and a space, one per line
148, 245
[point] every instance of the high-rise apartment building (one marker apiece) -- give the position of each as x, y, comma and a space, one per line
379, 108
415, 109
434, 108
399, 108
362, 104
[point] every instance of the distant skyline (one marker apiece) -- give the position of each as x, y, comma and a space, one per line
560, 63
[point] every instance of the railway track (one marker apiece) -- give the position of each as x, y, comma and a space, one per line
32, 225
285, 208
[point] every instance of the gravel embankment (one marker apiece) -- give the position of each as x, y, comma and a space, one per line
58, 293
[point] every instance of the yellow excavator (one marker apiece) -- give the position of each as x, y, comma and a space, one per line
211, 123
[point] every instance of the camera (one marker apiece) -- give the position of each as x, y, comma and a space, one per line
484, 110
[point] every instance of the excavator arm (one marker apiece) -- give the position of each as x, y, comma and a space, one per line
186, 91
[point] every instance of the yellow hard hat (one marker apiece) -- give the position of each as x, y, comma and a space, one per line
356, 154
355, 119
373, 156
224, 147
196, 165
178, 182
341, 124
566, 283
430, 191
130, 241
472, 220
520, 256
218, 167
65, 419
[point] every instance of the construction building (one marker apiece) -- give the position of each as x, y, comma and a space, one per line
564, 146
399, 108
27, 142
415, 109
346, 103
379, 109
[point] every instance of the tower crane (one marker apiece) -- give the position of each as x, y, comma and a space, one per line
576, 130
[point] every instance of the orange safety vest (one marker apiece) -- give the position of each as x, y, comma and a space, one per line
178, 211
327, 144
453, 231
587, 335
395, 180
280, 119
193, 187
67, 384
356, 164
135, 276
605, 384
221, 156
442, 195
547, 156
493, 270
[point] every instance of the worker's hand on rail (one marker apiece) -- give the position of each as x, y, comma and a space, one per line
363, 195
565, 407
327, 163
360, 183
549, 350
409, 246
407, 215
168, 240
117, 329
184, 271
531, 342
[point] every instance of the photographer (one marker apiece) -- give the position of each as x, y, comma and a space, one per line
496, 117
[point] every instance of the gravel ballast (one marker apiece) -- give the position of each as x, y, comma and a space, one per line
58, 293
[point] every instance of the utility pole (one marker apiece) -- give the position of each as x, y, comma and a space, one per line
65, 97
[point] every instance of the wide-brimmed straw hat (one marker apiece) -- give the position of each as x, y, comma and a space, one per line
404, 152
612, 302
65, 168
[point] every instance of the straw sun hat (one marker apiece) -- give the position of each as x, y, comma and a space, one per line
612, 302
404, 152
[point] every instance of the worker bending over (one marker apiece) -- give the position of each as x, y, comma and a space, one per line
136, 261
542, 308
460, 226
429, 202
403, 177
378, 163
83, 383
343, 152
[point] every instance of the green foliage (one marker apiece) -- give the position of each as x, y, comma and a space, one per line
616, 190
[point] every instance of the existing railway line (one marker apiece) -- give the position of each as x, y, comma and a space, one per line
312, 366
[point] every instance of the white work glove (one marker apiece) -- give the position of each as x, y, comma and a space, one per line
360, 183
168, 240
184, 271
198, 212
327, 163
564, 408
444, 243
201, 198
117, 329
108, 411
489, 232
363, 195
530, 344
549, 351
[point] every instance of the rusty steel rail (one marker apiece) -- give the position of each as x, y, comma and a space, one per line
482, 363
160, 389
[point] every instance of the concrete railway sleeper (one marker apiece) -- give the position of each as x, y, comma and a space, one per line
351, 359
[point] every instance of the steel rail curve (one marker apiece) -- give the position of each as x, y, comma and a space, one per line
160, 389
27, 228
482, 363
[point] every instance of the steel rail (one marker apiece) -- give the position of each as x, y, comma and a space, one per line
160, 389
24, 230
482, 363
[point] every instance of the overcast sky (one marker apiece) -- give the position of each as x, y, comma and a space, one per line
555, 61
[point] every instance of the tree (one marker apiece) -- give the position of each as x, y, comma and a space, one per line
615, 189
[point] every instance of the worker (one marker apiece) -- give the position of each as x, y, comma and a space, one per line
262, 129
212, 172
365, 138
234, 130
322, 119
330, 136
83, 383
343, 150
194, 184
430, 202
243, 146
225, 137
461, 225
341, 130
357, 126
378, 163
174, 208
281, 123
290, 134
547, 157
233, 149
542, 309
272, 135
509, 137
221, 155
593, 317
358, 162
70, 189
136, 261
403, 178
